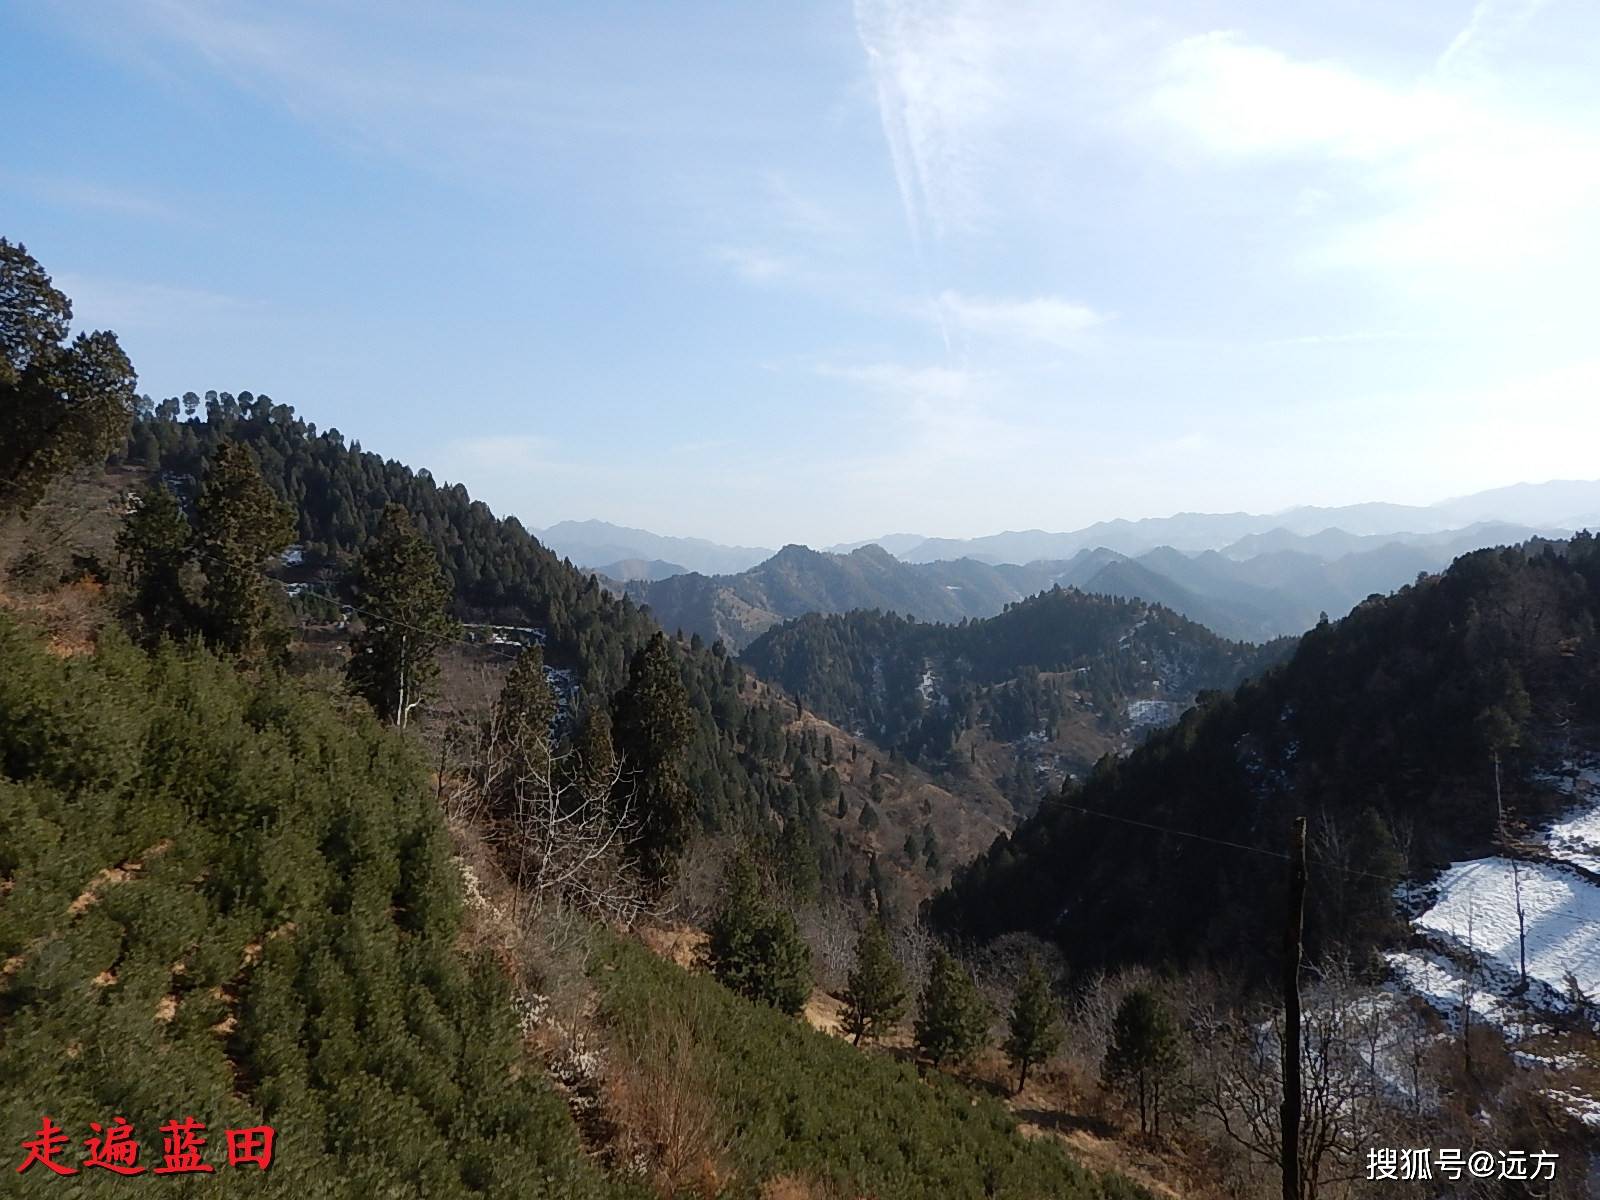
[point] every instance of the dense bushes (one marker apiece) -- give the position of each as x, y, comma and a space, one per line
798, 1103
224, 899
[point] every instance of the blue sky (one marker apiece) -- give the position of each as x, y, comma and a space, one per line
770, 273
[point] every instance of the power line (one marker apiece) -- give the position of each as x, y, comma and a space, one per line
1200, 837
1278, 854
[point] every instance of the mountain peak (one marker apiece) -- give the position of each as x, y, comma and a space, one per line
872, 552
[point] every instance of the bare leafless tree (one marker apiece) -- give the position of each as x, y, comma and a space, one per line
1237, 1082
831, 928
560, 826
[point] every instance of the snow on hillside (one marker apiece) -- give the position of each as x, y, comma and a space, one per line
1575, 838
1470, 918
1476, 911
1470, 950
1153, 714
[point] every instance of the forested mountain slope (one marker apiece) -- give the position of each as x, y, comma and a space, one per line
228, 899
225, 897
1384, 728
917, 687
750, 776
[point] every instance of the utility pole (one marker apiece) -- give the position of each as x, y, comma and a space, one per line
1289, 1113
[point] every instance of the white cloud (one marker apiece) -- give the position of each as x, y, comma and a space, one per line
938, 87
1438, 173
1492, 23
88, 194
486, 92
1047, 319
927, 420
1233, 98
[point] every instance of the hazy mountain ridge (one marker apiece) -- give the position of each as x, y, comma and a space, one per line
1557, 507
1563, 505
594, 544
1279, 591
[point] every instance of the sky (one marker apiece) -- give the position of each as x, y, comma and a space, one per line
771, 273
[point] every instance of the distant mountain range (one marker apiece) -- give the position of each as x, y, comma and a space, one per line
1327, 533
596, 545
1563, 504
1275, 586
1246, 576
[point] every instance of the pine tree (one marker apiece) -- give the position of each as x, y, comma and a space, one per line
524, 712
754, 948
876, 996
952, 1017
61, 405
156, 543
797, 860
240, 525
652, 731
593, 758
404, 602
1143, 1051
1034, 1025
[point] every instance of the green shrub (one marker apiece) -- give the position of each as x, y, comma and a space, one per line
227, 900
798, 1102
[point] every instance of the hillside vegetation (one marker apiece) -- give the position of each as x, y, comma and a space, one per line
799, 1105
227, 898
918, 687
1385, 728
749, 779
1261, 587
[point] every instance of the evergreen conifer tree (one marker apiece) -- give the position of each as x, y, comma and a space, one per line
754, 948
1034, 1025
405, 601
240, 525
593, 758
156, 543
61, 405
524, 713
876, 997
952, 1017
652, 730
1143, 1052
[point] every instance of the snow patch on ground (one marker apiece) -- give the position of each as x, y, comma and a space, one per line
1476, 912
1153, 714
1585, 1108
1576, 837
1444, 985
